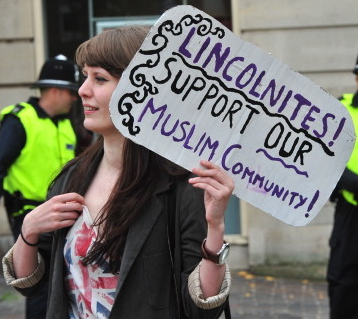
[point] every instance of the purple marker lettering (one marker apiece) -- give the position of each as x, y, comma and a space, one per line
339, 130
313, 201
309, 118
202, 49
187, 140
272, 88
226, 153
284, 102
153, 110
237, 168
268, 188
182, 138
325, 125
277, 191
228, 65
302, 201
285, 195
219, 59
200, 141
248, 172
172, 130
182, 48
212, 146
301, 101
256, 84
293, 196
251, 69
260, 179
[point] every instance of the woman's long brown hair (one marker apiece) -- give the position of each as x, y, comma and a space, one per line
113, 50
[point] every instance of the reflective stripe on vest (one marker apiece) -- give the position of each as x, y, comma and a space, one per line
352, 164
48, 147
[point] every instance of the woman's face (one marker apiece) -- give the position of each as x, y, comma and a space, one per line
96, 92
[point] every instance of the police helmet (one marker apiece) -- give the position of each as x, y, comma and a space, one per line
58, 72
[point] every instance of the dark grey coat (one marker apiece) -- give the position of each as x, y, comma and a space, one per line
146, 288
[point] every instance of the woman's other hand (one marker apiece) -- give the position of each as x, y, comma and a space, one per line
218, 187
58, 212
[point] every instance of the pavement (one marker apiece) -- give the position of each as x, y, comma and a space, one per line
267, 297
252, 297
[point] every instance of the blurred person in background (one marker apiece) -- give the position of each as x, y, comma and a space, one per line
342, 273
37, 138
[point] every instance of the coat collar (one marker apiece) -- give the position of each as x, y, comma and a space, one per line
139, 231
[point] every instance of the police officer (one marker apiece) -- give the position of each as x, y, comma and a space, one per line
37, 139
342, 273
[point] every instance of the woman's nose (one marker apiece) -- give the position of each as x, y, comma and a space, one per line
84, 89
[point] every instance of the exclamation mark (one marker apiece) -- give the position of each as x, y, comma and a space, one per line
339, 130
313, 201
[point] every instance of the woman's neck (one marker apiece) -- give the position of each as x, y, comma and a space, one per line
113, 152
107, 175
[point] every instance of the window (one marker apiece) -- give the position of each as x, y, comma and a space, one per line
104, 14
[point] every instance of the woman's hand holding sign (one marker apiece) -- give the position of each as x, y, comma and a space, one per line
218, 187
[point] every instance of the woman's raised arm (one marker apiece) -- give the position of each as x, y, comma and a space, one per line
218, 187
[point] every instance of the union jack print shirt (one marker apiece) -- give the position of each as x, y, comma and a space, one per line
91, 289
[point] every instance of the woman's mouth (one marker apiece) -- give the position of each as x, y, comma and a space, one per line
90, 108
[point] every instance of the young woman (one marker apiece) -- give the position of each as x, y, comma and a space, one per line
127, 224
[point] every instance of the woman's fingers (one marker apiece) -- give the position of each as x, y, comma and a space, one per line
68, 197
209, 181
208, 170
58, 212
67, 216
217, 186
212, 178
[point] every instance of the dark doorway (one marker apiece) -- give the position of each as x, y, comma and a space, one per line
67, 26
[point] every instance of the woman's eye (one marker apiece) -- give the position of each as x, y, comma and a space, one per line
100, 79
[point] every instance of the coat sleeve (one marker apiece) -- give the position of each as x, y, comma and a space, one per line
197, 294
190, 231
30, 285
29, 281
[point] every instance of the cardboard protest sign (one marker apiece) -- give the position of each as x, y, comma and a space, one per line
197, 91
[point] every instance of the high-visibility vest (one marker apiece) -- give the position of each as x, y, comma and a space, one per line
48, 147
352, 164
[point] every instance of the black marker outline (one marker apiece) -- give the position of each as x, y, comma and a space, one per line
159, 40
253, 102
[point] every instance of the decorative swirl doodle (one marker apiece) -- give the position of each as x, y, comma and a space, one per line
125, 108
282, 162
138, 77
203, 29
145, 81
169, 75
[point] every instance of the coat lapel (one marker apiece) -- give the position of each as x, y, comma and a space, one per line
140, 230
